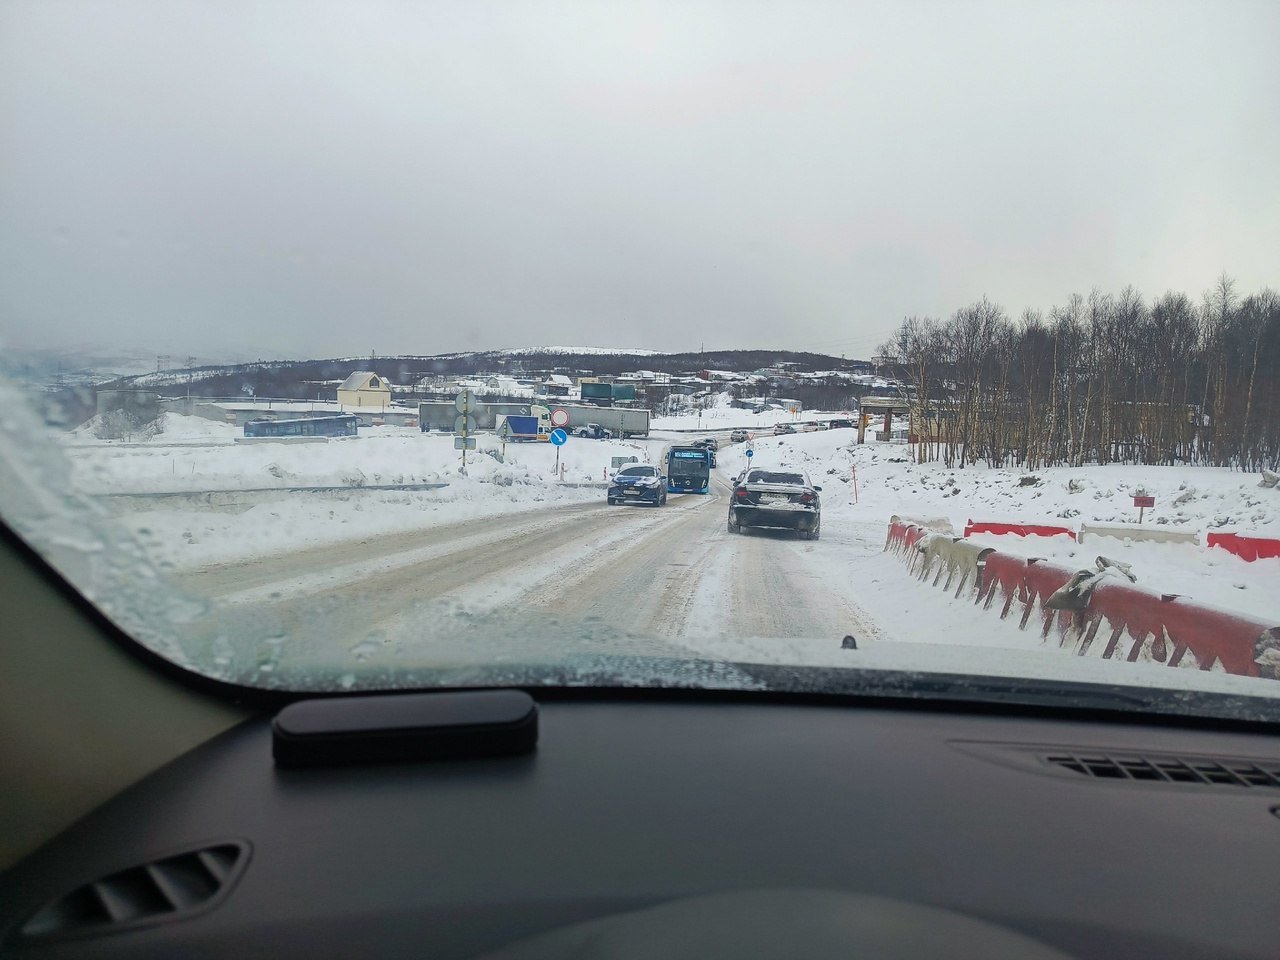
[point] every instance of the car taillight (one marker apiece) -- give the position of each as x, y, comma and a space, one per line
740, 494
807, 498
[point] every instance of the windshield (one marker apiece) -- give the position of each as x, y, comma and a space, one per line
324, 338
689, 464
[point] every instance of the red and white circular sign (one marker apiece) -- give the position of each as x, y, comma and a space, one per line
559, 417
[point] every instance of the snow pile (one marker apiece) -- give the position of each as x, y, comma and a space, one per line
190, 538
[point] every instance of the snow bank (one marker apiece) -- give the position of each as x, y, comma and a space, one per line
379, 456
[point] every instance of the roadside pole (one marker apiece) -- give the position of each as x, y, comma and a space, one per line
465, 425
558, 438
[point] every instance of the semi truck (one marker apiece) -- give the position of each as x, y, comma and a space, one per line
622, 422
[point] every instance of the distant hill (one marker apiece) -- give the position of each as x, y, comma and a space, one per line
307, 378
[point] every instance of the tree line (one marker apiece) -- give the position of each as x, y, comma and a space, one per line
1104, 378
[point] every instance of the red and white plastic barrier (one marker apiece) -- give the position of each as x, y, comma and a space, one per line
1244, 546
1121, 621
1017, 529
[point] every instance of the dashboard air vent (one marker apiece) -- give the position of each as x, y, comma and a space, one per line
1169, 769
171, 888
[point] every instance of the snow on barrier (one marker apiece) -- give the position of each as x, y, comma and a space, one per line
1245, 547
1120, 621
1017, 529
935, 524
1130, 531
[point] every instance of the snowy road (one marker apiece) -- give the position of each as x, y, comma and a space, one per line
595, 578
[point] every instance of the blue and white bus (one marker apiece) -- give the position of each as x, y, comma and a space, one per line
689, 470
335, 426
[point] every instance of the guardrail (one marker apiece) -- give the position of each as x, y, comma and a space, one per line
1119, 620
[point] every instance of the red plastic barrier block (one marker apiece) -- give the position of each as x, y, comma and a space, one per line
1043, 581
1248, 548
1174, 626
1017, 529
1002, 572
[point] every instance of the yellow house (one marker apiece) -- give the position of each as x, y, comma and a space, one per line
365, 390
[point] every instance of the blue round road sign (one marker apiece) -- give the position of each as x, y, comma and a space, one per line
558, 437
751, 453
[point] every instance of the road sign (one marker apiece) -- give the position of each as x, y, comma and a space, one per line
464, 443
750, 454
465, 401
465, 424
559, 417
1144, 501
558, 437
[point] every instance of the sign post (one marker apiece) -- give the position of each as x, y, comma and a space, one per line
1142, 501
854, 468
465, 425
558, 438
504, 433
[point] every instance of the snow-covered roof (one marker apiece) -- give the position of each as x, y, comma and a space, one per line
560, 380
365, 380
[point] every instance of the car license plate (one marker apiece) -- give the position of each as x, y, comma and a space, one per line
773, 497
631, 490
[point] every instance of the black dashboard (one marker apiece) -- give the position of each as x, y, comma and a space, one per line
648, 827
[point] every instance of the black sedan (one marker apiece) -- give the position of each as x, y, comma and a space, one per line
776, 498
638, 484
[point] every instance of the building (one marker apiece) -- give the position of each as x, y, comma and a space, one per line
365, 390
556, 385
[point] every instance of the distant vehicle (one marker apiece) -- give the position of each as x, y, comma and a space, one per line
739, 436
523, 428
337, 426
776, 498
841, 424
782, 428
710, 444
593, 431
638, 484
689, 469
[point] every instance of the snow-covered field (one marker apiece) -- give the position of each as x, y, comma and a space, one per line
193, 496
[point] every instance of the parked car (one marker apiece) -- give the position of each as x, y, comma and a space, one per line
641, 483
841, 424
739, 436
776, 498
782, 428
593, 431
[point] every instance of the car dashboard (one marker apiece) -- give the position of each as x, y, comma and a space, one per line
691, 825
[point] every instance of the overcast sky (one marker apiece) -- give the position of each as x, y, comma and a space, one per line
314, 179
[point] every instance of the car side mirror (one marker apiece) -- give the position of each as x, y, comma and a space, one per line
817, 488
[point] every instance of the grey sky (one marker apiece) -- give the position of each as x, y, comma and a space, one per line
326, 179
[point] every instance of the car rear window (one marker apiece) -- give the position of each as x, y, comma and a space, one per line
768, 476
